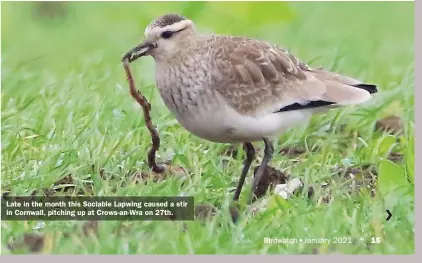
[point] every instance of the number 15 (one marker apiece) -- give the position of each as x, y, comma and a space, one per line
375, 240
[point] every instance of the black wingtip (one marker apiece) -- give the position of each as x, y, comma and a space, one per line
368, 87
320, 103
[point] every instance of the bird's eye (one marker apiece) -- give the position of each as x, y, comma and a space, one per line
166, 34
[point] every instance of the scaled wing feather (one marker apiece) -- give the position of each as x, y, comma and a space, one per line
261, 78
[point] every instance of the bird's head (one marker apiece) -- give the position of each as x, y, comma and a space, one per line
164, 37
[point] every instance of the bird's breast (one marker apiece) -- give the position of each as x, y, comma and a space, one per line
186, 91
184, 85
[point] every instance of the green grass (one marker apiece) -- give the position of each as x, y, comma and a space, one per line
65, 109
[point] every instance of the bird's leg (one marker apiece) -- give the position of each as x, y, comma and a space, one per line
250, 154
268, 154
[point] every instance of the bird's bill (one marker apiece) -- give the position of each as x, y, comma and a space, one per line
138, 51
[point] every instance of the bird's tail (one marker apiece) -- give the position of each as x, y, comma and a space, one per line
368, 87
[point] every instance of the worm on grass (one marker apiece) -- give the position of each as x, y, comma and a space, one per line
146, 107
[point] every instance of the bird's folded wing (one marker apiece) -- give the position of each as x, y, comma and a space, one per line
259, 78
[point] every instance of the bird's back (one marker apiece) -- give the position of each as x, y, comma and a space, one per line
256, 77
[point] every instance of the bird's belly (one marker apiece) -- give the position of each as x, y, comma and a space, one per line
208, 126
200, 112
248, 128
226, 126
207, 116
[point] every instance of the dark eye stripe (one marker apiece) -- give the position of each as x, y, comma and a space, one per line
169, 34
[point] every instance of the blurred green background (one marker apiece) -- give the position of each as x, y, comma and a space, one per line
65, 109
65, 36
